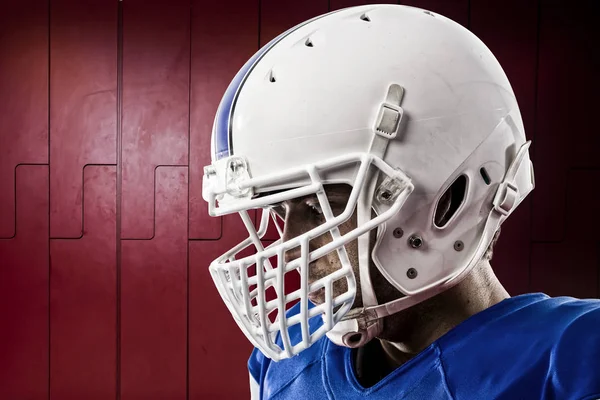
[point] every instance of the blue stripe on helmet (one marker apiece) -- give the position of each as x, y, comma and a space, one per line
223, 121
222, 134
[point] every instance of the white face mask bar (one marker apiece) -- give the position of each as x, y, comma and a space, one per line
244, 283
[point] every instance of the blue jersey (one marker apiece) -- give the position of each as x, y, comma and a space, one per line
526, 347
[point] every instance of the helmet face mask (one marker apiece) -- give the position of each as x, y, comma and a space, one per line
332, 115
244, 282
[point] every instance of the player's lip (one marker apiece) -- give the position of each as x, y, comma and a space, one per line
317, 297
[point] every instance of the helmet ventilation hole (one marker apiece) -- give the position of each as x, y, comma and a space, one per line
365, 17
309, 43
450, 202
271, 76
485, 176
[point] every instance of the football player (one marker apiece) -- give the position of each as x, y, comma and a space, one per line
383, 146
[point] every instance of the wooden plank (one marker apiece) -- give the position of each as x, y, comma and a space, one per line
83, 107
156, 74
24, 103
154, 298
567, 82
24, 281
83, 299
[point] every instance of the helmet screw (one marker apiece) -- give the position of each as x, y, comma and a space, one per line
411, 273
415, 241
398, 233
458, 245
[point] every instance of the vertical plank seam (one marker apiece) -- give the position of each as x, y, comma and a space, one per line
187, 247
49, 256
118, 194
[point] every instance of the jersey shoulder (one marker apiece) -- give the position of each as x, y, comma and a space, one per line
574, 356
543, 346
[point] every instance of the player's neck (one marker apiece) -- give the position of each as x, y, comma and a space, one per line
433, 318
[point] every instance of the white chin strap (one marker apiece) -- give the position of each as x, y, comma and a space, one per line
349, 333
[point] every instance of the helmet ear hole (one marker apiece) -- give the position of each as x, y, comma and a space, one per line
450, 202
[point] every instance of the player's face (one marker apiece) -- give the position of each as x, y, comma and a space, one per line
303, 214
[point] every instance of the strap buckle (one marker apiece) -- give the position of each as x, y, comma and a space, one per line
506, 198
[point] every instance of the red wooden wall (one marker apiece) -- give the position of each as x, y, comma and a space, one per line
105, 116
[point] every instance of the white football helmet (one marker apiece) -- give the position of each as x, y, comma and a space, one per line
400, 103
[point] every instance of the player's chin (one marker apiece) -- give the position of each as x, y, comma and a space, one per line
339, 287
318, 296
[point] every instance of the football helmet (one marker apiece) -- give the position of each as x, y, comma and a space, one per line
403, 105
